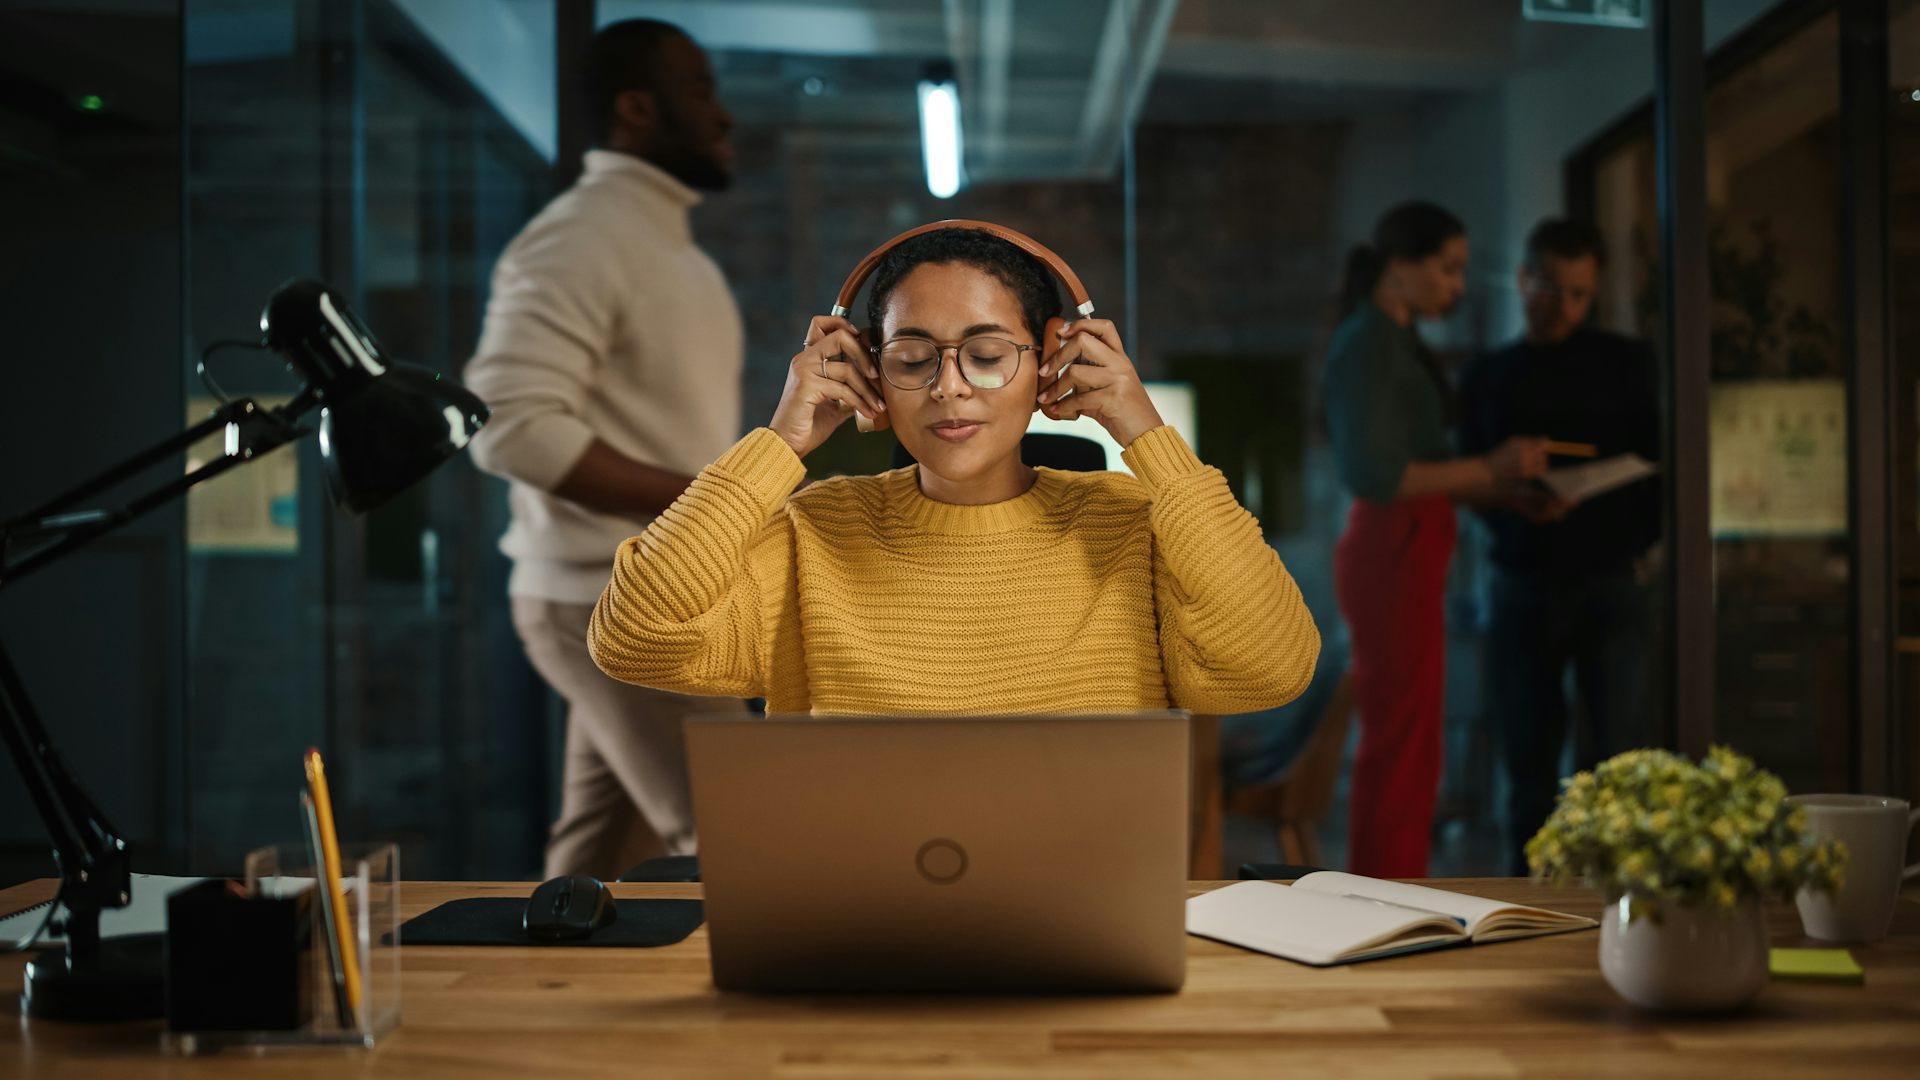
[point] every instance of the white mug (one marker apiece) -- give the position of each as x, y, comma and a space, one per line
1874, 828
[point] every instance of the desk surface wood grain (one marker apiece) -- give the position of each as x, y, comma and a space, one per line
1527, 1008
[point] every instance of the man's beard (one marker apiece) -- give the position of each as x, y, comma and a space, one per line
694, 165
701, 174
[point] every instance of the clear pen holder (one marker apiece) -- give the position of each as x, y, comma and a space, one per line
319, 1008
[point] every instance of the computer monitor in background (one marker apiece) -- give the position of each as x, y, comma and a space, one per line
1173, 399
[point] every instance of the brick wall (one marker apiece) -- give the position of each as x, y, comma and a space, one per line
1234, 248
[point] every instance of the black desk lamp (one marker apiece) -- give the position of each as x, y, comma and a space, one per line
383, 426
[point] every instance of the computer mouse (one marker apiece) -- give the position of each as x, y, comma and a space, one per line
569, 908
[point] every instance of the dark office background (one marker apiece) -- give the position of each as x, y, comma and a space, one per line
183, 681
164, 164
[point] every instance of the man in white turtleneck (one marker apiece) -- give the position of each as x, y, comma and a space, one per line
611, 356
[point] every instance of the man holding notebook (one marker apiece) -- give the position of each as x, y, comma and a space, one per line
1569, 583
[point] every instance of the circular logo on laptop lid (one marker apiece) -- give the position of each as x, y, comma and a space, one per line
941, 861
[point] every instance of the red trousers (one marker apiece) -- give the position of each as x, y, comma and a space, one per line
1390, 571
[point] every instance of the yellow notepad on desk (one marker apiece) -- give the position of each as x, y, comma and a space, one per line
1817, 965
1333, 918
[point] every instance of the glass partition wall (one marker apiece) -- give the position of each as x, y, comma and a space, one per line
359, 142
1784, 354
1778, 400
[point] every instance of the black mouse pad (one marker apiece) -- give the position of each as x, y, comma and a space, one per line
498, 920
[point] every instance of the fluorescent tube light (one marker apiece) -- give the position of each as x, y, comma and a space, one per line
940, 136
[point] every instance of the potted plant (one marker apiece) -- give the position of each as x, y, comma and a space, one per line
1686, 854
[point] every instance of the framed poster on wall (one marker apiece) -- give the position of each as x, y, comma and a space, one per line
1779, 457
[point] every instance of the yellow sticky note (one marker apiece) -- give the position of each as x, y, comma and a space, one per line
1817, 965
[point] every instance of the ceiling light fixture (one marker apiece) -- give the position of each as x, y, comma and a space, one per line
940, 139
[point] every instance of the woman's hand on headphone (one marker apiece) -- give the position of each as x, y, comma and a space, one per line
832, 378
1094, 366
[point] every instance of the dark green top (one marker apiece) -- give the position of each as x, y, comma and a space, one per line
1383, 408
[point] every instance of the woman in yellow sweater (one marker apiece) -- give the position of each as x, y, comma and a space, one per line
972, 583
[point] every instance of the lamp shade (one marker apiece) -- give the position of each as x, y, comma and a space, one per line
384, 424
393, 432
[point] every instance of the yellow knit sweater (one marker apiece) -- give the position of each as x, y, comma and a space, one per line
1091, 592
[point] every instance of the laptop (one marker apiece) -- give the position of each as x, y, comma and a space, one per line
947, 854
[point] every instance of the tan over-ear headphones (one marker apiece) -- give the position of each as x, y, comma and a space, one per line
1050, 334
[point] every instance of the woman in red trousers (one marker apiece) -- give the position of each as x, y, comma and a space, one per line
1389, 409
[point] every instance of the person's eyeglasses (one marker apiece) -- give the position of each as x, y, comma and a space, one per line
913, 363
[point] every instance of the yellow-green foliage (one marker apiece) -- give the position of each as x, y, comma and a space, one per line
1653, 826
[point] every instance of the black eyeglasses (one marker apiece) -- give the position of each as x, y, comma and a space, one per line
913, 363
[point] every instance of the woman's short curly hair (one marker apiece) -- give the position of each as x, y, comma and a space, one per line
1032, 283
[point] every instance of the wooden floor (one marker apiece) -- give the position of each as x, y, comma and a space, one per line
1529, 1008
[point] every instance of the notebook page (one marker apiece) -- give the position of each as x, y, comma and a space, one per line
1521, 922
1477, 914
146, 915
1312, 928
1577, 482
1469, 910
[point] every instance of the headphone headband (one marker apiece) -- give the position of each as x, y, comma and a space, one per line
1082, 303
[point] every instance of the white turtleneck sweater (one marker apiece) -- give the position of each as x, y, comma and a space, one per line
605, 321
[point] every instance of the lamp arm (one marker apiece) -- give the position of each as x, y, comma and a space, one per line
94, 867
59, 530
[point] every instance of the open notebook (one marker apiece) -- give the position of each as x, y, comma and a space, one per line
1333, 918
147, 914
1576, 483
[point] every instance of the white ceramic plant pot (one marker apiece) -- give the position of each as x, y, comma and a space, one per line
1694, 959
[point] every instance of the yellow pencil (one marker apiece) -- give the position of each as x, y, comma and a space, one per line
330, 869
1572, 449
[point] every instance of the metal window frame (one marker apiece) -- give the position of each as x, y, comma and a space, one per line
1680, 146
1865, 77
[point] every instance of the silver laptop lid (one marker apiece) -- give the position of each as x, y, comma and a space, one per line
944, 853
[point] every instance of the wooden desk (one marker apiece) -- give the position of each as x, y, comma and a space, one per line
1515, 1009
